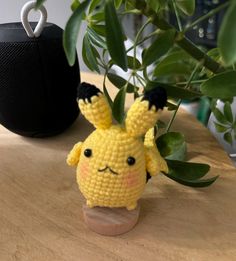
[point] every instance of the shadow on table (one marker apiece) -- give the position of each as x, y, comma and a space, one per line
78, 131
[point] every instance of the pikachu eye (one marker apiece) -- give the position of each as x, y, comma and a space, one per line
131, 161
88, 153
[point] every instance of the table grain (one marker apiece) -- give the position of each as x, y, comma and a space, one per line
41, 215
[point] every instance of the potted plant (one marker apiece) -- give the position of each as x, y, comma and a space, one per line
169, 60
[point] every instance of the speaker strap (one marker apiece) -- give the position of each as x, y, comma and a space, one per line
25, 22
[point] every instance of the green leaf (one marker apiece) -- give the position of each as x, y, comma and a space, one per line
220, 86
39, 3
187, 170
220, 128
172, 145
93, 5
119, 106
174, 63
171, 106
227, 35
133, 64
219, 116
89, 54
75, 4
174, 91
129, 5
159, 47
98, 17
143, 53
186, 6
85, 59
95, 53
213, 104
119, 82
118, 3
154, 4
230, 100
228, 137
175, 68
176, 56
99, 29
114, 36
228, 112
214, 54
189, 173
71, 32
133, 11
96, 39
201, 183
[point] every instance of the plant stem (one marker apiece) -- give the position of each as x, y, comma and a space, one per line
135, 89
177, 16
104, 78
127, 82
105, 89
180, 39
140, 82
101, 65
130, 12
179, 102
137, 39
143, 40
139, 79
204, 17
200, 56
145, 74
184, 83
173, 116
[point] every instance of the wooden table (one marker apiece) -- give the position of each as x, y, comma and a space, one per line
40, 204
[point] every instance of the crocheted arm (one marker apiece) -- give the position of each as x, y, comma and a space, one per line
74, 155
154, 161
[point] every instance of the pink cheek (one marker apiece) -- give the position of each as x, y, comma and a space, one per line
131, 179
84, 170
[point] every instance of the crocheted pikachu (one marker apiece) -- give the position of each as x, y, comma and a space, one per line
114, 163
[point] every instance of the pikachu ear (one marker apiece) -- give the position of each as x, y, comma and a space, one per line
145, 111
94, 106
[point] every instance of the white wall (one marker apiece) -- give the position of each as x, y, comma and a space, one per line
58, 13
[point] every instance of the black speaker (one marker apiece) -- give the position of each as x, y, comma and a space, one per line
37, 86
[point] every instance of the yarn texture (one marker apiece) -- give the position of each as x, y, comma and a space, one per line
112, 163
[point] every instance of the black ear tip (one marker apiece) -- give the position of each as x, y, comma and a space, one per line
157, 97
86, 91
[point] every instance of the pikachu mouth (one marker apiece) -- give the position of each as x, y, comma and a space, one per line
108, 168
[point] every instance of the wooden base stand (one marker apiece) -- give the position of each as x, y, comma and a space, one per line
110, 221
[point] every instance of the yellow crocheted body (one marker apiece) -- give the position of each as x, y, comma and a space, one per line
113, 162
105, 178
